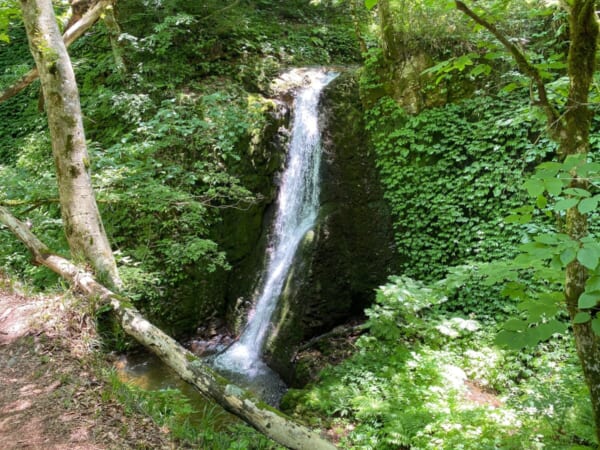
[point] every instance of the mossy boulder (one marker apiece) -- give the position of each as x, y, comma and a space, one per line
350, 251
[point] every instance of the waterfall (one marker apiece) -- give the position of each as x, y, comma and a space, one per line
297, 209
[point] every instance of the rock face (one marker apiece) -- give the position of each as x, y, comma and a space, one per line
350, 251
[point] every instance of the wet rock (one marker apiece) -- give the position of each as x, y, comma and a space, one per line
351, 249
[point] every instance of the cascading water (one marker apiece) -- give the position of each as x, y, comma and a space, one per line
297, 209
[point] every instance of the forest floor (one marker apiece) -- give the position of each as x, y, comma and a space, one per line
52, 393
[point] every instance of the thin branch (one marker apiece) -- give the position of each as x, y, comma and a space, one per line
219, 11
70, 35
552, 116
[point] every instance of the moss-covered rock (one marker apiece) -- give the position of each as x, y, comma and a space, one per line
350, 251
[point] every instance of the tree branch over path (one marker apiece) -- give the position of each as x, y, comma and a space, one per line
71, 35
189, 367
553, 118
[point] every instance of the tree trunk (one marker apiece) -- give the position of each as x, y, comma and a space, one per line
389, 38
574, 140
571, 131
189, 367
114, 32
83, 225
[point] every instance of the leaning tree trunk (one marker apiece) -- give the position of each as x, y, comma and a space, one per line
240, 402
574, 140
82, 223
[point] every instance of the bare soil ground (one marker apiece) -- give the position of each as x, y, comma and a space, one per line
51, 396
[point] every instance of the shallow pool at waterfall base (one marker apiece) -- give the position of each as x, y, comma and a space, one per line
150, 373
249, 372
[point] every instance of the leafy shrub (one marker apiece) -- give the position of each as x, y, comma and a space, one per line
429, 378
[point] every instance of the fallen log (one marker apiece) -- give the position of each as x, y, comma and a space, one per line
70, 35
189, 367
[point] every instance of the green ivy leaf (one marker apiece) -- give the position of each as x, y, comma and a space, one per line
588, 300
588, 257
370, 4
587, 205
582, 317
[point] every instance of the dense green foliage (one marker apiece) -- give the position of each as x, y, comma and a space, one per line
452, 174
427, 376
170, 141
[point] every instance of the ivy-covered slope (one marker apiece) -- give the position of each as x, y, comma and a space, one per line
452, 175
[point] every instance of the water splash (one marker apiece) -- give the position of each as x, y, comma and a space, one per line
297, 209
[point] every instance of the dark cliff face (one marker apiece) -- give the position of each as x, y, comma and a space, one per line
350, 251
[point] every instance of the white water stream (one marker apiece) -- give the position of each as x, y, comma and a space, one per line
297, 209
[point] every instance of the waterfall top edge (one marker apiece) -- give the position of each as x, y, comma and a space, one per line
300, 77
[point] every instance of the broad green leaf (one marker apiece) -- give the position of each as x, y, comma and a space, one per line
588, 257
463, 61
582, 317
518, 218
588, 300
541, 202
370, 4
584, 170
536, 310
568, 255
587, 205
486, 69
572, 161
550, 167
549, 239
546, 330
535, 187
510, 87
553, 185
511, 339
515, 325
565, 203
596, 326
593, 284
577, 192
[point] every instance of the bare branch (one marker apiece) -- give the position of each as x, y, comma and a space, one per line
553, 118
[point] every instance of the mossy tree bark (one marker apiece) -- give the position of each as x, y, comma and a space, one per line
189, 367
574, 140
82, 223
389, 39
571, 131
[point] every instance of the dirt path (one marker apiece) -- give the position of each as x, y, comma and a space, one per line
50, 396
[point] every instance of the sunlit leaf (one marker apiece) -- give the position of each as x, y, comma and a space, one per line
588, 257
588, 300
565, 204
587, 205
